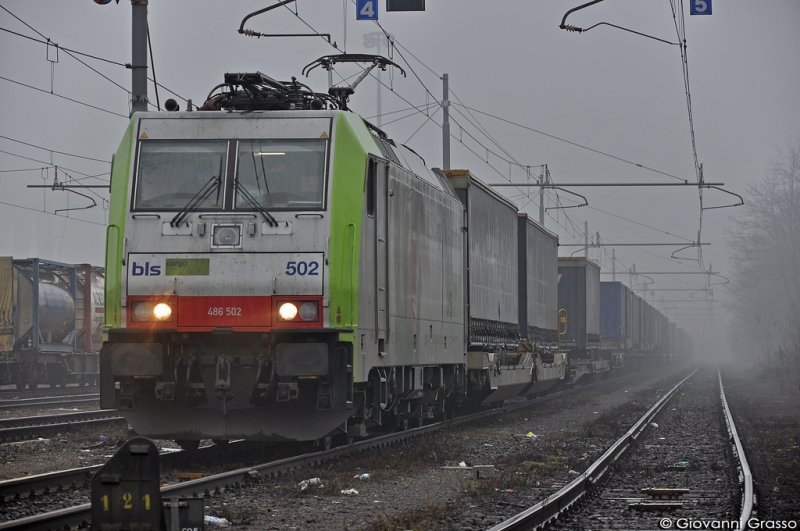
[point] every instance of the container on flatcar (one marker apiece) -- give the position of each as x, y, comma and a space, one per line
579, 295
538, 294
491, 262
615, 329
538, 302
672, 339
6, 304
636, 322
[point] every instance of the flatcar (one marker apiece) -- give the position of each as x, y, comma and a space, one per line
274, 272
51, 322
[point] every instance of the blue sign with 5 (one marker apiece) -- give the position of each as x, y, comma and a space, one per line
700, 7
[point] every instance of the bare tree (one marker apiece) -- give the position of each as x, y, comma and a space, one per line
765, 246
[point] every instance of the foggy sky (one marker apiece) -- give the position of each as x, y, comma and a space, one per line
617, 93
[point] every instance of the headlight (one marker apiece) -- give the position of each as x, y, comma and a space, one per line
150, 311
298, 311
162, 311
308, 311
287, 311
142, 311
226, 236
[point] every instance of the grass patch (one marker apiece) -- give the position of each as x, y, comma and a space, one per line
425, 518
551, 466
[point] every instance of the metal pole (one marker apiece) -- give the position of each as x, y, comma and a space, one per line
586, 239
139, 56
379, 84
613, 265
445, 122
545, 174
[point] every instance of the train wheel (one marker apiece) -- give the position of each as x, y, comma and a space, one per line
188, 445
325, 443
18, 378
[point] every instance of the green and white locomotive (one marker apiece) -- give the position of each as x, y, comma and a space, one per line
274, 272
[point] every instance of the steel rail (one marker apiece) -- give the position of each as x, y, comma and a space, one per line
24, 427
552, 506
745, 476
81, 514
32, 486
46, 401
44, 420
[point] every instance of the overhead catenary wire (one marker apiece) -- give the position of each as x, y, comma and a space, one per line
54, 151
51, 214
63, 97
72, 53
466, 122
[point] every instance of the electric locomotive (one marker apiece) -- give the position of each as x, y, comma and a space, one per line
276, 274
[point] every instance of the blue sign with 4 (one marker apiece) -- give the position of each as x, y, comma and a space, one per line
700, 7
366, 9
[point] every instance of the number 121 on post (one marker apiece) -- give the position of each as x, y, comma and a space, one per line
366, 9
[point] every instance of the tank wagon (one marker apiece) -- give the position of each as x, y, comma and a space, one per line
275, 273
51, 319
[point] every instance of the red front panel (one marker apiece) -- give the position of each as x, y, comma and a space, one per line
224, 312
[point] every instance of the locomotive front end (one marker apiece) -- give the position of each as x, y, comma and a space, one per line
219, 310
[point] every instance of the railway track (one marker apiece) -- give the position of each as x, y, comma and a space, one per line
613, 491
13, 394
15, 429
35, 486
50, 401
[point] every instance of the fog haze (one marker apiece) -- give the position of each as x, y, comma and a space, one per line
601, 106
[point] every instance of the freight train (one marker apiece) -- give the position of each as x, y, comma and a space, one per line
51, 322
631, 329
273, 272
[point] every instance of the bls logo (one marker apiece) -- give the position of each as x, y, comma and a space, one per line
146, 270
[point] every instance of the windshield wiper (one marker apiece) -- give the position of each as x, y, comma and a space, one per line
196, 200
255, 204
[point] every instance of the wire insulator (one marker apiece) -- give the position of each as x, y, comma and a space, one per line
250, 33
570, 27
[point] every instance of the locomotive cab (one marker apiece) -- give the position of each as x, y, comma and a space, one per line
221, 309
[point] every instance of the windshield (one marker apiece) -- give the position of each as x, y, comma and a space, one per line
171, 173
282, 174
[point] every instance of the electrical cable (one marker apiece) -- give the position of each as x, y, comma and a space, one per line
570, 142
69, 52
51, 214
86, 175
54, 151
63, 97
